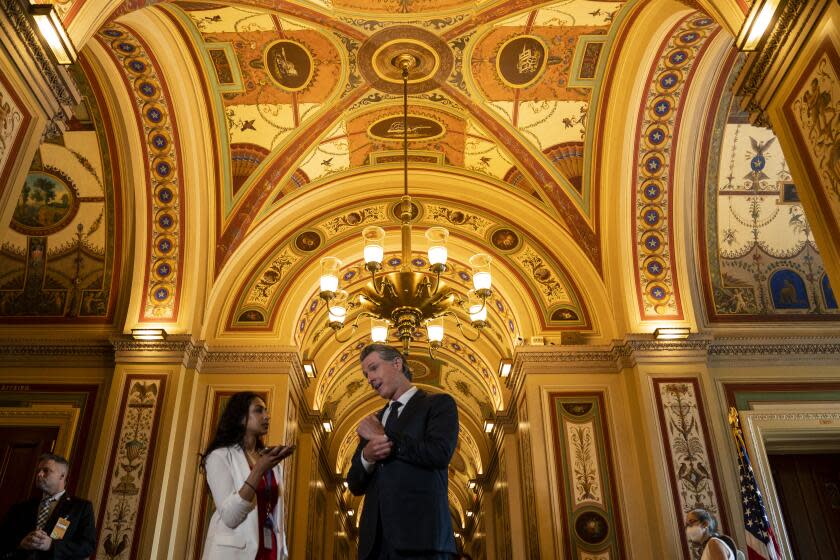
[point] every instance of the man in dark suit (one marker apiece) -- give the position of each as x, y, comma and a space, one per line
55, 526
401, 465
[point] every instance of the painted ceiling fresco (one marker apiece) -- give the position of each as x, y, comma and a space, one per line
59, 256
301, 98
763, 262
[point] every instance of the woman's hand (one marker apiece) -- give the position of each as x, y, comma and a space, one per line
271, 457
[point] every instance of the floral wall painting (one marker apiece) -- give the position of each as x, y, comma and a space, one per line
688, 453
583, 460
128, 472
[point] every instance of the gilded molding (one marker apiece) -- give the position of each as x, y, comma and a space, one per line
793, 417
759, 65
23, 29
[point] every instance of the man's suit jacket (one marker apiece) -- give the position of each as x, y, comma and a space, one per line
79, 540
408, 492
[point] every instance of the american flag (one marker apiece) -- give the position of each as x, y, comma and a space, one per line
761, 544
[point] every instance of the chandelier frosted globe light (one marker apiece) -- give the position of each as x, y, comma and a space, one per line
406, 300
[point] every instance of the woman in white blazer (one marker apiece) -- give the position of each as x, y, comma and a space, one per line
247, 485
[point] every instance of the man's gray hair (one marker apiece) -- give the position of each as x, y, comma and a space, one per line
387, 353
58, 459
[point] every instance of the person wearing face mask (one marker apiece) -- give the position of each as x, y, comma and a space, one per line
701, 531
246, 481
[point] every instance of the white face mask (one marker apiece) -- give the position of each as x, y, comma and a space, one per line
694, 533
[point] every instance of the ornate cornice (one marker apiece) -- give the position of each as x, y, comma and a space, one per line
17, 25
761, 64
28, 352
751, 347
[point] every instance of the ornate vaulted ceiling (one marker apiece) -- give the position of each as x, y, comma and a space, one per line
269, 133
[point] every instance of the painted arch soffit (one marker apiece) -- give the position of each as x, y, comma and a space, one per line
522, 264
293, 97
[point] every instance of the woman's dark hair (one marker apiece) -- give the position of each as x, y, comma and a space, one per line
231, 428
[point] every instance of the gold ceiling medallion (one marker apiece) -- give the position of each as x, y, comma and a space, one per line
406, 300
428, 56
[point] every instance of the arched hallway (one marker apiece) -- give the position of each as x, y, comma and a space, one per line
625, 164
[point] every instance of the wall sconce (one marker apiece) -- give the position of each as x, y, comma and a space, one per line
309, 369
471, 484
327, 424
761, 16
351, 512
489, 425
457, 535
469, 513
671, 333
505, 365
148, 334
346, 484
53, 33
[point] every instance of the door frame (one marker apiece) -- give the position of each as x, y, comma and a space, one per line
800, 428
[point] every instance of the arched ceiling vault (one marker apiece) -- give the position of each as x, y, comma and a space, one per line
543, 285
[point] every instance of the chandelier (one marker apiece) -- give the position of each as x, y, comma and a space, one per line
401, 302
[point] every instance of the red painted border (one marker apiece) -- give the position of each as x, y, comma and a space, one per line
731, 390
713, 464
18, 141
689, 78
144, 492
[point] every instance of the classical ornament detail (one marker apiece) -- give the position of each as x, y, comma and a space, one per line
582, 464
685, 439
756, 72
129, 468
22, 28
11, 119
652, 221
585, 474
165, 211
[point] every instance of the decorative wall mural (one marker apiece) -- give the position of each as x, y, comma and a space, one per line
48, 202
583, 459
129, 469
521, 60
290, 64
13, 121
685, 437
651, 223
812, 115
419, 128
59, 256
762, 260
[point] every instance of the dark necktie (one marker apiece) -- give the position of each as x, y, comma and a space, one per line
393, 416
43, 512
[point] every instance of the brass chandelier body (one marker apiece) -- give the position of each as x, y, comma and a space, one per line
406, 300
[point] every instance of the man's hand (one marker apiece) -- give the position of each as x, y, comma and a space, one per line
370, 428
377, 448
36, 540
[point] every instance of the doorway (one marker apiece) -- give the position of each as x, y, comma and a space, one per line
808, 489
